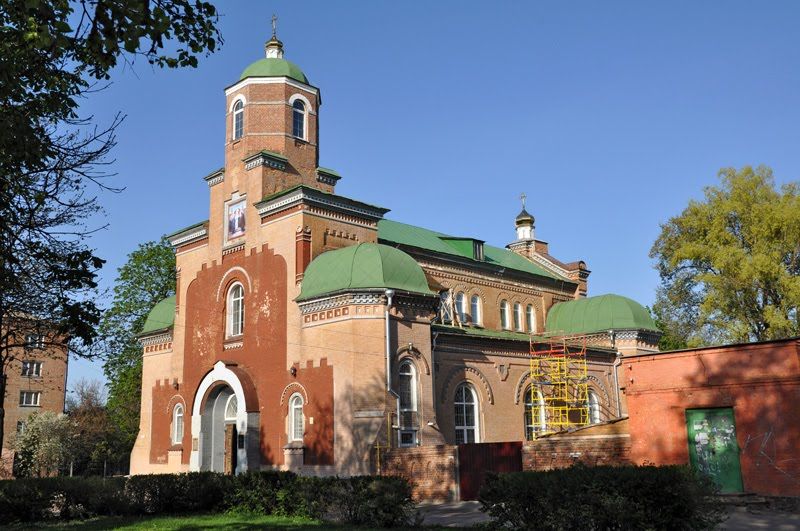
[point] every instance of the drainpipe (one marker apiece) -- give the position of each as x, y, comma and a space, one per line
389, 295
616, 365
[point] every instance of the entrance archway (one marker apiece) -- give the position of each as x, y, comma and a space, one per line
218, 430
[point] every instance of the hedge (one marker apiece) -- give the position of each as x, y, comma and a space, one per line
363, 500
602, 497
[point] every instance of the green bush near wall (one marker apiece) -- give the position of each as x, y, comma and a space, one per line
364, 500
603, 497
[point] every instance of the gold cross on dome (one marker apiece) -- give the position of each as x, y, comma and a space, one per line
523, 197
274, 24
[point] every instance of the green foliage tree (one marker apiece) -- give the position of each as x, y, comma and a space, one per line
146, 278
52, 55
44, 446
730, 265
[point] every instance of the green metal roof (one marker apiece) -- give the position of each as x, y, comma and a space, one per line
363, 266
597, 314
274, 67
161, 316
400, 233
483, 332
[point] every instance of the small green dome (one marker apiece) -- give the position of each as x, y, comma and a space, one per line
274, 67
161, 316
363, 266
597, 314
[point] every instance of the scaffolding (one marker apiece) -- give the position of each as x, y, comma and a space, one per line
559, 392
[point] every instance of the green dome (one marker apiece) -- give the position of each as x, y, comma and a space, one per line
597, 314
274, 67
363, 266
161, 316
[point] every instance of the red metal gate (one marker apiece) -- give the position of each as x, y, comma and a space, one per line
475, 460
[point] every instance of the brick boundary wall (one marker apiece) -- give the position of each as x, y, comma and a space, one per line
549, 453
431, 470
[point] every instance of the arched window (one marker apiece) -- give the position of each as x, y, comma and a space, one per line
517, 317
296, 420
177, 424
299, 119
461, 307
238, 120
235, 310
466, 421
407, 383
594, 408
504, 315
231, 408
535, 413
475, 308
530, 318
444, 304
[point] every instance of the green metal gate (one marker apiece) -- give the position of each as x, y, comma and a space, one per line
713, 449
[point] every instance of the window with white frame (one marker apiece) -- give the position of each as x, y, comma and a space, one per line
30, 398
445, 303
299, 119
517, 317
34, 341
535, 413
407, 389
461, 307
20, 427
466, 418
177, 424
594, 408
475, 309
238, 120
31, 368
296, 419
235, 310
530, 318
231, 409
504, 317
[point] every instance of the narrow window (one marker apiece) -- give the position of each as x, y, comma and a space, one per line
31, 369
461, 304
535, 413
475, 308
34, 341
296, 420
235, 310
407, 384
299, 119
466, 420
30, 398
20, 427
517, 317
504, 315
594, 408
238, 120
530, 318
231, 408
177, 424
444, 305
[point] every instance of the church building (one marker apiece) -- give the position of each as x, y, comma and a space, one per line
309, 330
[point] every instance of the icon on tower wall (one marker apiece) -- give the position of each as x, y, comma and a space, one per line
236, 220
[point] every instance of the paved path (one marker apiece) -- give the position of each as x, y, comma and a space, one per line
742, 518
452, 514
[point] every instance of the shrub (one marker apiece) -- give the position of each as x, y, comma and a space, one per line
647, 497
269, 492
176, 493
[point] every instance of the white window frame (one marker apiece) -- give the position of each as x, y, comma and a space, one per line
30, 398
34, 341
475, 308
27, 365
476, 413
296, 404
177, 423
237, 114
593, 403
231, 400
518, 322
444, 302
461, 302
505, 310
305, 111
234, 328
538, 425
530, 318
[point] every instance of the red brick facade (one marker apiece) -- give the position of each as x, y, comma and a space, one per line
431, 470
606, 444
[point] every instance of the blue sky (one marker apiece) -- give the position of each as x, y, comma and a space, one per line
610, 116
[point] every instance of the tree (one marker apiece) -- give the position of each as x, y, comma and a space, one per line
44, 446
730, 265
146, 278
52, 54
94, 437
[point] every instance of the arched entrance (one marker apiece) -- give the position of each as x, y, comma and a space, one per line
225, 437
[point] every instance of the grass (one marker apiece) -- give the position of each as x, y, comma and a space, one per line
233, 521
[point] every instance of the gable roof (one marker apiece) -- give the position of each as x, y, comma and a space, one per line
395, 232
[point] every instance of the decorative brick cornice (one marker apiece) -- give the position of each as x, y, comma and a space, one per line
338, 301
326, 176
189, 234
215, 177
265, 158
158, 339
317, 198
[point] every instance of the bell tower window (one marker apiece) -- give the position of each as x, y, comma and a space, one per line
299, 119
238, 120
